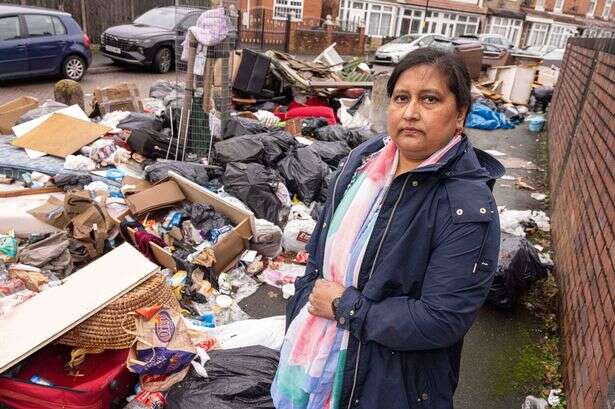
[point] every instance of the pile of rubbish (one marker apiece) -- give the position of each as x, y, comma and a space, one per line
173, 241
509, 95
144, 249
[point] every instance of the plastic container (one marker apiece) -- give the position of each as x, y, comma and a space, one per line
537, 123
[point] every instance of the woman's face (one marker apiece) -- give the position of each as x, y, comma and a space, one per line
423, 113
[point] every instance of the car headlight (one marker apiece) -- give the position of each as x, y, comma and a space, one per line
140, 41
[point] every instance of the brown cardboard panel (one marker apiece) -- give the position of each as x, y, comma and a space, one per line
61, 135
163, 257
52, 313
139, 184
12, 110
226, 250
157, 197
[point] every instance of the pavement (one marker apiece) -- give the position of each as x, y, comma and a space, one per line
494, 359
102, 73
495, 346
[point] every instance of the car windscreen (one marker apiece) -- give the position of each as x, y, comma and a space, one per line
405, 39
162, 17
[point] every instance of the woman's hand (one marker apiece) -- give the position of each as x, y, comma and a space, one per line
322, 296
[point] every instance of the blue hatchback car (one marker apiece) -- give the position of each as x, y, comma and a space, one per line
37, 41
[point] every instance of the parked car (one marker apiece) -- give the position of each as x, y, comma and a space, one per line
554, 57
539, 50
395, 50
495, 40
150, 39
36, 41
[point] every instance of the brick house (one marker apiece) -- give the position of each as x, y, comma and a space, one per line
505, 17
551, 22
300, 9
392, 18
525, 23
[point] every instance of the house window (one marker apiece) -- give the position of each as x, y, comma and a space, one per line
538, 35
607, 8
558, 5
466, 25
540, 4
592, 8
559, 35
284, 8
411, 21
508, 28
379, 20
352, 12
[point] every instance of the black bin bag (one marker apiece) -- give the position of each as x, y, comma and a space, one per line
304, 173
331, 152
238, 378
255, 186
247, 148
519, 267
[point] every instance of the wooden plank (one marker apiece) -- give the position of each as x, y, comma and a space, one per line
31, 191
50, 314
340, 84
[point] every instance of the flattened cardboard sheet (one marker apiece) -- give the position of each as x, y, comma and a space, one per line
157, 197
52, 313
61, 135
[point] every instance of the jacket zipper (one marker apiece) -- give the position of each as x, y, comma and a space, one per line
336, 182
386, 230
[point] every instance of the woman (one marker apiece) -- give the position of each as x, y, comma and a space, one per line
402, 257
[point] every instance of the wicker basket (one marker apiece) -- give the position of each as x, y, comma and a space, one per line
104, 329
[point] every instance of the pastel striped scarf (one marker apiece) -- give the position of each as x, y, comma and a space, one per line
314, 351
313, 355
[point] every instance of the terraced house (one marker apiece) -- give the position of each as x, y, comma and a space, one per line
524, 23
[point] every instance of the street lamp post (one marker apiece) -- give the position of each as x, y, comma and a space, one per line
424, 22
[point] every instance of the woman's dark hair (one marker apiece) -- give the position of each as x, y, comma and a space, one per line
449, 64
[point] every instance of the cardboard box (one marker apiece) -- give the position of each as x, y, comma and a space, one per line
11, 111
229, 249
120, 97
547, 76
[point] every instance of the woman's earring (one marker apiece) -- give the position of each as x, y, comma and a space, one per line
458, 131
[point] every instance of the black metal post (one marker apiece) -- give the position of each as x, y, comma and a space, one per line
263, 29
425, 15
238, 41
287, 33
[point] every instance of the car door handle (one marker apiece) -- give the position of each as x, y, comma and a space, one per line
20, 46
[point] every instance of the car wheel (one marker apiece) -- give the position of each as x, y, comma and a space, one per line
74, 68
163, 61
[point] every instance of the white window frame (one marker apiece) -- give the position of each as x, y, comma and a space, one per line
281, 9
606, 11
381, 11
509, 28
558, 5
349, 12
559, 35
414, 15
540, 5
536, 30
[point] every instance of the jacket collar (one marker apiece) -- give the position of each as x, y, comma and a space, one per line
477, 161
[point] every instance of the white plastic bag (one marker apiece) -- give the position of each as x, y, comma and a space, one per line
298, 230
